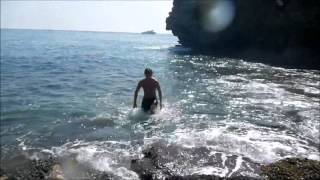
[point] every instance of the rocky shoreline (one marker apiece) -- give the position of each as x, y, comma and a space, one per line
48, 168
151, 167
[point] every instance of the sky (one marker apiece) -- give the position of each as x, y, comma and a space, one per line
111, 16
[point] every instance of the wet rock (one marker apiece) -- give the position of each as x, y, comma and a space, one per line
158, 159
56, 172
4, 177
28, 169
208, 177
50, 168
150, 166
279, 32
154, 166
293, 169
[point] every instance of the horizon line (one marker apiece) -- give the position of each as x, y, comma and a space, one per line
94, 31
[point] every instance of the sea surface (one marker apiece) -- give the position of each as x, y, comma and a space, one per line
69, 94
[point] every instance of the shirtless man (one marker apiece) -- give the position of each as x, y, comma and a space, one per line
149, 85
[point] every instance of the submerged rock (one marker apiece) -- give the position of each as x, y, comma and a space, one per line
280, 32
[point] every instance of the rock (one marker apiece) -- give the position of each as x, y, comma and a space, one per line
293, 169
56, 173
4, 177
208, 177
150, 166
280, 32
49, 168
153, 166
24, 168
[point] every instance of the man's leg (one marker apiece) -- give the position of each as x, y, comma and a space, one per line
144, 105
153, 106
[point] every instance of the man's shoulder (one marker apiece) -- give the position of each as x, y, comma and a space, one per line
142, 81
148, 80
154, 79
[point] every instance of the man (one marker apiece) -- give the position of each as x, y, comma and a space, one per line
149, 85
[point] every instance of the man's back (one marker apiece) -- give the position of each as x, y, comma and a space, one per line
149, 86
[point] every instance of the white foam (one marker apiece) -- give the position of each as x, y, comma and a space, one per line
137, 114
260, 145
209, 170
160, 47
109, 156
237, 167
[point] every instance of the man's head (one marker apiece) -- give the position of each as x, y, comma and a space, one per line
148, 72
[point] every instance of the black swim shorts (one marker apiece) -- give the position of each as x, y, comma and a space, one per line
147, 102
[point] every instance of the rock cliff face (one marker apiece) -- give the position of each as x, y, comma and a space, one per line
284, 32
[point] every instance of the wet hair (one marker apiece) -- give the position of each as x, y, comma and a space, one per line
148, 71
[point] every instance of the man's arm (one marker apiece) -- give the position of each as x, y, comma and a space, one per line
136, 95
160, 94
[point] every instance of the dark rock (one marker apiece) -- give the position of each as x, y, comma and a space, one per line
24, 168
208, 177
293, 168
280, 32
153, 164
150, 166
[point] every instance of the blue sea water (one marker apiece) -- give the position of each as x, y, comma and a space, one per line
70, 94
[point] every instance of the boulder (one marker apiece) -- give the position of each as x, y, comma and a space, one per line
292, 169
279, 32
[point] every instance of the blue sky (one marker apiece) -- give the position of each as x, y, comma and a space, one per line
114, 16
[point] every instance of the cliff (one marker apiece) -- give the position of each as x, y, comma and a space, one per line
281, 32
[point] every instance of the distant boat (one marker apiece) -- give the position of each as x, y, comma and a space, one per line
149, 32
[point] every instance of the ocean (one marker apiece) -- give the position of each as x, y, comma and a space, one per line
69, 94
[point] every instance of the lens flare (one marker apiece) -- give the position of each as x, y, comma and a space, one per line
219, 15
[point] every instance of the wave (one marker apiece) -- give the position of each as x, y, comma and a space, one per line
161, 47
